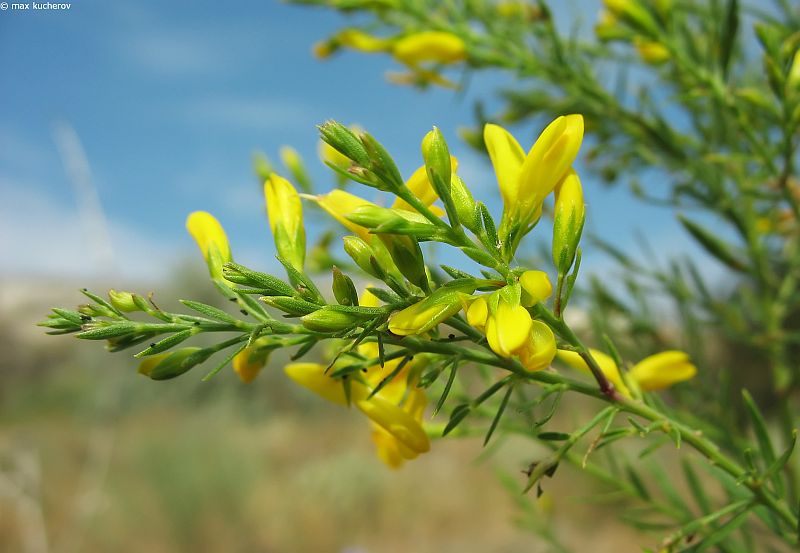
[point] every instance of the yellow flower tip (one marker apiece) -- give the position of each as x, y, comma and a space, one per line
536, 287
507, 157
211, 239
368, 299
508, 329
312, 376
605, 361
429, 46
414, 319
324, 49
150, 362
248, 363
340, 204
662, 370
285, 213
651, 52
478, 313
541, 348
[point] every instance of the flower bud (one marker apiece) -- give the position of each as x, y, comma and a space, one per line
400, 424
343, 288
478, 313
569, 216
329, 319
361, 41
345, 142
633, 12
407, 256
340, 204
536, 287
429, 46
439, 169
124, 301
290, 306
286, 220
442, 304
171, 364
651, 52
361, 253
294, 163
606, 363
261, 167
464, 204
211, 240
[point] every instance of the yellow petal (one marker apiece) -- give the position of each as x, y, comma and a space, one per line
248, 363
211, 239
662, 370
507, 158
286, 219
361, 41
386, 447
605, 361
313, 377
548, 160
541, 349
340, 204
508, 329
429, 46
421, 187
396, 421
478, 313
536, 287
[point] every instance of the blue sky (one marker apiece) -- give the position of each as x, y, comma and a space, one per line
170, 100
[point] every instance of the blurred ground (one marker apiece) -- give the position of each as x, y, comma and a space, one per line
95, 458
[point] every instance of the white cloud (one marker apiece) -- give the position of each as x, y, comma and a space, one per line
39, 236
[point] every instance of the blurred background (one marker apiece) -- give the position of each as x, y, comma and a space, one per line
117, 119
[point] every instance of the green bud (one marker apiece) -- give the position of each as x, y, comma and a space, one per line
261, 167
568, 219
345, 142
464, 204
393, 221
407, 256
266, 284
382, 164
439, 170
94, 310
360, 252
328, 319
291, 306
343, 288
124, 301
294, 163
172, 364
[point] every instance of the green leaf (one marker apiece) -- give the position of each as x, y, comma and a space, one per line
459, 414
168, 342
450, 379
553, 436
730, 27
765, 447
213, 372
209, 311
696, 487
498, 415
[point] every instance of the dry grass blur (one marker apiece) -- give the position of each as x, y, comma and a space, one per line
94, 458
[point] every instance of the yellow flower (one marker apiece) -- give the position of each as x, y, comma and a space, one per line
211, 240
540, 349
286, 219
662, 370
478, 313
429, 46
249, 362
508, 328
536, 287
390, 450
651, 52
401, 422
655, 372
429, 312
526, 180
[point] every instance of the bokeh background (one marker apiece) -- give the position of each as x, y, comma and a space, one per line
119, 118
